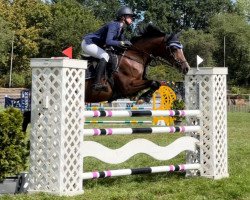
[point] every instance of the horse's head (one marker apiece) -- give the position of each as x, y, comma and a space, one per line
175, 54
152, 41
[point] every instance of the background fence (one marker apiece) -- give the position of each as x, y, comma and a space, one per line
238, 103
235, 102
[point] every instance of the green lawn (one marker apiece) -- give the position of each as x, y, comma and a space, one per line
165, 185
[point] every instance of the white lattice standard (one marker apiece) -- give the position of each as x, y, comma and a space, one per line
210, 85
56, 163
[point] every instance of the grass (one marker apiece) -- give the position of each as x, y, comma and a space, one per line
168, 185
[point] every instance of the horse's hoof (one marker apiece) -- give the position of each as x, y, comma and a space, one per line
140, 101
147, 100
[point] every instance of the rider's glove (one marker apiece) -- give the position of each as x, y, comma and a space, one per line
126, 44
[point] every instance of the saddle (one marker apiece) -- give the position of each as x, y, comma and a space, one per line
111, 67
92, 63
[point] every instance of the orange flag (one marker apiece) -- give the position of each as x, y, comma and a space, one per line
68, 52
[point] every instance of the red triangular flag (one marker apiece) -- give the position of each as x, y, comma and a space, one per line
68, 52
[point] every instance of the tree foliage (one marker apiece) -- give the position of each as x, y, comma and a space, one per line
177, 15
45, 28
70, 22
104, 10
164, 73
28, 19
199, 43
5, 43
243, 8
237, 36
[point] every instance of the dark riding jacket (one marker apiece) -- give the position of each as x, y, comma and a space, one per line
110, 35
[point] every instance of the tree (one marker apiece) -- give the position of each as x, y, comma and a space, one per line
243, 7
5, 44
199, 43
236, 31
159, 15
70, 22
44, 29
164, 73
177, 15
104, 10
28, 20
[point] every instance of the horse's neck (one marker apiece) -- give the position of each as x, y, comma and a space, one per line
151, 46
142, 51
136, 56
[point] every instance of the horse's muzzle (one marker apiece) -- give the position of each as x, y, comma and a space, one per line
185, 68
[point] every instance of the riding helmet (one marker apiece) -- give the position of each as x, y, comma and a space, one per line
124, 11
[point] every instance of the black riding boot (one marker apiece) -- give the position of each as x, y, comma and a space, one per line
100, 69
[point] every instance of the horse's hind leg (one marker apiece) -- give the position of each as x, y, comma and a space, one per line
146, 97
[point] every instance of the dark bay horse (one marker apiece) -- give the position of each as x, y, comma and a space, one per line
127, 78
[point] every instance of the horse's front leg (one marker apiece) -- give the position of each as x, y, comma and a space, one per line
146, 97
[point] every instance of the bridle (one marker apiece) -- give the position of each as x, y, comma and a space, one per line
177, 61
169, 44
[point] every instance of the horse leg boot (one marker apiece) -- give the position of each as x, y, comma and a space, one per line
100, 69
147, 96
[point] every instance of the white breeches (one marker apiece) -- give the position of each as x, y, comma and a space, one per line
95, 51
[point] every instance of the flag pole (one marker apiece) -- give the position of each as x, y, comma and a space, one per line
224, 51
11, 58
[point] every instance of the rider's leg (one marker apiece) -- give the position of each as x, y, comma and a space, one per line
100, 69
97, 52
94, 50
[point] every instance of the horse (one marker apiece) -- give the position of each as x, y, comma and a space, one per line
127, 79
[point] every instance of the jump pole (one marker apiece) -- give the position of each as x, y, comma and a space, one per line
118, 108
141, 113
117, 122
128, 131
136, 171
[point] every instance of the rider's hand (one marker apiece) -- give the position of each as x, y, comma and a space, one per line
126, 44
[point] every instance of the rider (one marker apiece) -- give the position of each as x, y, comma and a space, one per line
111, 34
